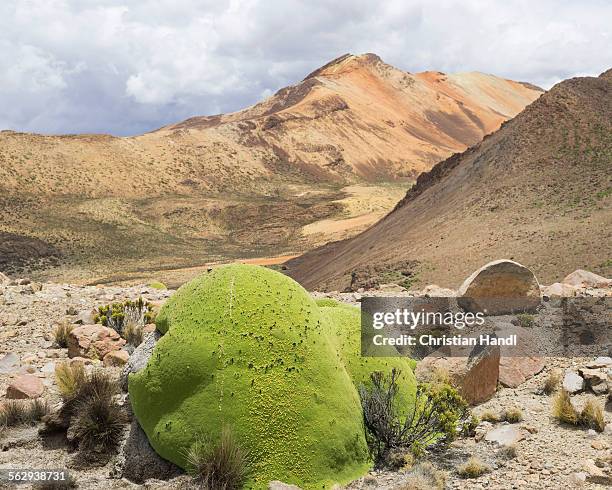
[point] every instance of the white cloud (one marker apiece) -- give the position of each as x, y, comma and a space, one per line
129, 66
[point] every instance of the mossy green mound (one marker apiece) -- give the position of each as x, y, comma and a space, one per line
247, 347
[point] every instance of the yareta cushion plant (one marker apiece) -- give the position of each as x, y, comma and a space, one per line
247, 347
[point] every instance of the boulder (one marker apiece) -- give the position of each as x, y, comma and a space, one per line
139, 358
573, 382
93, 341
500, 287
506, 435
116, 358
518, 363
475, 376
559, 290
138, 462
25, 386
585, 279
514, 371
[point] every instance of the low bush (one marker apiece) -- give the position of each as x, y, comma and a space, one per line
157, 285
118, 315
436, 418
61, 334
98, 423
473, 468
526, 320
220, 465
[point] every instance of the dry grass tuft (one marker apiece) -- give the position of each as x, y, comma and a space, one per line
22, 412
69, 378
473, 468
61, 334
220, 465
425, 476
508, 452
489, 416
553, 380
133, 333
513, 415
592, 416
563, 410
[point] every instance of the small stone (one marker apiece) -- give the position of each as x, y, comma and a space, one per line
573, 382
9, 363
600, 445
116, 358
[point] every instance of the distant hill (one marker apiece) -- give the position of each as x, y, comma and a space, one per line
247, 183
539, 191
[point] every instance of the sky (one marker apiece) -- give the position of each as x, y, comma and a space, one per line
131, 66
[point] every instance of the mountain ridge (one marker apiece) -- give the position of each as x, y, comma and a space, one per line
318, 160
540, 184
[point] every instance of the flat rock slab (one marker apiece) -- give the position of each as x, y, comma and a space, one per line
506, 435
25, 386
501, 287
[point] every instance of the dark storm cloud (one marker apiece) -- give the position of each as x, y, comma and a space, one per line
126, 67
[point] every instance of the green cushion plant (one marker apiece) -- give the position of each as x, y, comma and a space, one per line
247, 347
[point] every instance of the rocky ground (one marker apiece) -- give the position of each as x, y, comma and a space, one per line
548, 454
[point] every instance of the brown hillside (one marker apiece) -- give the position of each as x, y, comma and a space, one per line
271, 179
538, 191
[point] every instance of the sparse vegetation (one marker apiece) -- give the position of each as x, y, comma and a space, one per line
118, 315
526, 320
489, 416
61, 334
473, 468
425, 476
508, 452
98, 422
513, 415
552, 382
22, 412
563, 410
436, 417
133, 334
220, 465
592, 416
69, 378
157, 285
89, 408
